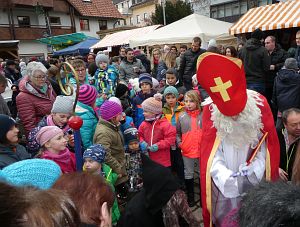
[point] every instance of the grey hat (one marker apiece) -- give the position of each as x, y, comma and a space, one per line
62, 104
291, 63
101, 57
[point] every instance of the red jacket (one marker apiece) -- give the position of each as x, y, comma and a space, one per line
32, 104
161, 133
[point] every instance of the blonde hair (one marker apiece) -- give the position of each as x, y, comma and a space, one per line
170, 59
152, 56
194, 96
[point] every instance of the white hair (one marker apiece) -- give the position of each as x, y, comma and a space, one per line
34, 66
245, 129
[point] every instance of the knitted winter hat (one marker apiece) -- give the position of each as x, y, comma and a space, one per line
153, 104
116, 100
130, 134
121, 90
40, 173
62, 104
47, 133
137, 52
101, 58
110, 109
257, 34
87, 94
6, 123
96, 152
212, 43
171, 90
145, 78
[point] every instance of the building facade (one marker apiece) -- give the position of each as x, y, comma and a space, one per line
231, 11
29, 20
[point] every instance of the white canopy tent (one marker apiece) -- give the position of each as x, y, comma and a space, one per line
185, 29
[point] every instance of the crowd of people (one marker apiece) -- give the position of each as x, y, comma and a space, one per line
150, 123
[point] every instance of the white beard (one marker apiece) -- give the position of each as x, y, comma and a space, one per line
245, 130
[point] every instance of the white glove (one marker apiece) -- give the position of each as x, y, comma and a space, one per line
246, 170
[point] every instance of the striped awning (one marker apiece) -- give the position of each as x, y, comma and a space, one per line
270, 17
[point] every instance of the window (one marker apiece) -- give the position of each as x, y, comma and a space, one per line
103, 25
84, 24
221, 11
138, 19
117, 6
243, 6
228, 11
24, 21
122, 5
235, 9
145, 16
130, 21
54, 20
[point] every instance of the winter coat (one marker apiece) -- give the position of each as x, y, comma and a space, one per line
145, 61
32, 104
145, 208
138, 115
286, 91
126, 69
12, 75
111, 138
278, 57
106, 80
297, 55
291, 153
134, 169
88, 127
256, 61
12, 154
161, 133
65, 159
3, 106
173, 115
161, 70
189, 133
187, 67
111, 178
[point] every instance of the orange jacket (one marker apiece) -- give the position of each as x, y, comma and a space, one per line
189, 133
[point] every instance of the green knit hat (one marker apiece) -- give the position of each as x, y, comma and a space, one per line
171, 90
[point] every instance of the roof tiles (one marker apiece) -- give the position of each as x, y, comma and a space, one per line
96, 8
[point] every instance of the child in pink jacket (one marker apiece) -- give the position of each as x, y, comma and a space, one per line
156, 133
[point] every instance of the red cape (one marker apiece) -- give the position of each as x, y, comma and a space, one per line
209, 147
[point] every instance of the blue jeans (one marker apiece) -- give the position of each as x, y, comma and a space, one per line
259, 87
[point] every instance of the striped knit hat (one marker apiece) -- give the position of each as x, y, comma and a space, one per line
87, 94
110, 109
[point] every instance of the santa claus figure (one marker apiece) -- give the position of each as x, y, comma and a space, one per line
239, 146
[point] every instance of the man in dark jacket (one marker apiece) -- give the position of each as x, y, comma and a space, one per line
256, 62
10, 71
188, 63
289, 137
297, 54
145, 61
286, 92
278, 56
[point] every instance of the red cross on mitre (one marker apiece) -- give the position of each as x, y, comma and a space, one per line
224, 80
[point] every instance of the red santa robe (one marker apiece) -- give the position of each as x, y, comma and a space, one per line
210, 144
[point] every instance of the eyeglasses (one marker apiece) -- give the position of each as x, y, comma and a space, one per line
40, 77
80, 70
